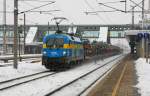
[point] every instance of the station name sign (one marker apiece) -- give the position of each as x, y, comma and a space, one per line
143, 35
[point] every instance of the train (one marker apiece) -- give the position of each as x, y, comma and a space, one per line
100, 49
64, 50
61, 50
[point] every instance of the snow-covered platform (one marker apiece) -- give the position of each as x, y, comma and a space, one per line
143, 73
120, 82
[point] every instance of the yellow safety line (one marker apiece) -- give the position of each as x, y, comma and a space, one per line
118, 82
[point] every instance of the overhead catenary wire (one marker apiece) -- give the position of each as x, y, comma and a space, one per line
30, 10
36, 8
36, 0
39, 11
112, 2
100, 18
100, 11
116, 9
137, 4
105, 14
62, 14
28, 4
111, 7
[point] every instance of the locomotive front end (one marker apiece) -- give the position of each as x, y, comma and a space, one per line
54, 52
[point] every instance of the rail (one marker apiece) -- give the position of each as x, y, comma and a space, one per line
83, 76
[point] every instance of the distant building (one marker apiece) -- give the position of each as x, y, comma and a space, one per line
34, 35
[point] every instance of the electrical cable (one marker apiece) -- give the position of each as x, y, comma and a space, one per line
105, 13
137, 4
111, 7
100, 18
112, 2
36, 7
36, 0
41, 12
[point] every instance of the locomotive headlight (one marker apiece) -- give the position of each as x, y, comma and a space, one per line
64, 52
44, 52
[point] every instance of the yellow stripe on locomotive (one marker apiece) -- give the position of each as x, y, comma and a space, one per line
69, 46
44, 46
78, 46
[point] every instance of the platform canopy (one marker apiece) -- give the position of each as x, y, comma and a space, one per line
130, 34
135, 32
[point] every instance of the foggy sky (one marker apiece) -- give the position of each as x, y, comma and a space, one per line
74, 11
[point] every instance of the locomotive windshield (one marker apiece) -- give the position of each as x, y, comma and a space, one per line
55, 43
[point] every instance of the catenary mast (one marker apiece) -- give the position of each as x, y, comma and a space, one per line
4, 27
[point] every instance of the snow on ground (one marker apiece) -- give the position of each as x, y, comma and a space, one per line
76, 88
143, 73
29, 60
40, 87
24, 68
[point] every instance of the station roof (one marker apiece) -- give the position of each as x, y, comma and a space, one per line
135, 32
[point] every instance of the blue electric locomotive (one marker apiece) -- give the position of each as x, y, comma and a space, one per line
61, 50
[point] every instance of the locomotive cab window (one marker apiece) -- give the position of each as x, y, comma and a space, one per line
55, 43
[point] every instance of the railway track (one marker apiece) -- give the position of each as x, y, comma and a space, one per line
10, 84
35, 61
84, 76
24, 79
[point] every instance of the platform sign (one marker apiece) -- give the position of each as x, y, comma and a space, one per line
143, 35
140, 35
146, 35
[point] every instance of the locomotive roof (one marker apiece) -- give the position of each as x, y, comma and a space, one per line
65, 36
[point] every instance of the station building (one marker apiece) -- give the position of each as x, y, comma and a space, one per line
30, 37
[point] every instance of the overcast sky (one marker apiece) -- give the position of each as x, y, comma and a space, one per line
74, 11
